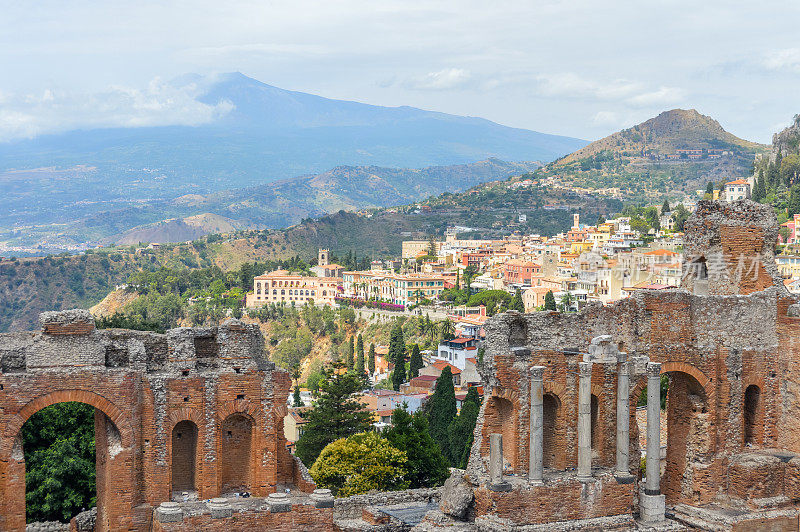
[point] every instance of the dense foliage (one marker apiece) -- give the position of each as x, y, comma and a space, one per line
360, 463
58, 442
426, 467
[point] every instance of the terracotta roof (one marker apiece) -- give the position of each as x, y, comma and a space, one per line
460, 340
385, 412
737, 182
441, 364
661, 252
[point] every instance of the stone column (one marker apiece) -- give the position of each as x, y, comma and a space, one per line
585, 420
535, 468
623, 420
496, 482
651, 502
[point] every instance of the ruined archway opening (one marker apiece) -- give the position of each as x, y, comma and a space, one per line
752, 415
687, 446
184, 458
235, 453
551, 448
499, 418
61, 463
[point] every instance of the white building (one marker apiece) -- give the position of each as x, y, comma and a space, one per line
457, 350
737, 190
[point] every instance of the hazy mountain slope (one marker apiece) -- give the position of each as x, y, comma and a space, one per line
273, 205
269, 134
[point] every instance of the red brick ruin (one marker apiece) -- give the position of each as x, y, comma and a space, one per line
199, 410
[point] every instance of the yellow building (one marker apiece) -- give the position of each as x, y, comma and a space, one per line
281, 286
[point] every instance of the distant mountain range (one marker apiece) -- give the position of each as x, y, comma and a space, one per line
268, 135
268, 206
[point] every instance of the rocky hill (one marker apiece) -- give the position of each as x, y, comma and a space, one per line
672, 154
787, 142
664, 134
179, 230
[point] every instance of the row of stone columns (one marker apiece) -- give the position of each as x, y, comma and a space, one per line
622, 469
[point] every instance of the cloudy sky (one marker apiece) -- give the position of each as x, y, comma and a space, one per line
581, 67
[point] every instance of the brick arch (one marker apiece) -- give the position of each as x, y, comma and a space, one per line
683, 367
99, 402
505, 393
184, 414
555, 388
239, 406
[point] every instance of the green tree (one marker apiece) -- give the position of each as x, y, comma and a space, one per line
441, 409
397, 344
462, 429
348, 353
360, 463
371, 360
337, 413
427, 466
549, 301
415, 363
516, 302
399, 373
567, 299
794, 200
58, 443
665, 208
296, 399
710, 188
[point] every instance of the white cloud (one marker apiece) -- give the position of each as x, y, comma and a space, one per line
570, 85
606, 118
52, 111
660, 97
449, 78
786, 59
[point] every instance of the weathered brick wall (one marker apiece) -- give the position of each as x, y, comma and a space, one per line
214, 386
301, 517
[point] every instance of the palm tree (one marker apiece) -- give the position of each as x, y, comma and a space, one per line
446, 327
566, 301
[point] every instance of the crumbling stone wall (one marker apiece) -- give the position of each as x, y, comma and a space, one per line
143, 385
725, 331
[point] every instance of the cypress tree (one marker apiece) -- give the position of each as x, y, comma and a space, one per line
399, 372
415, 364
360, 355
549, 301
297, 400
665, 207
710, 188
462, 429
397, 345
516, 302
441, 409
371, 360
348, 354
